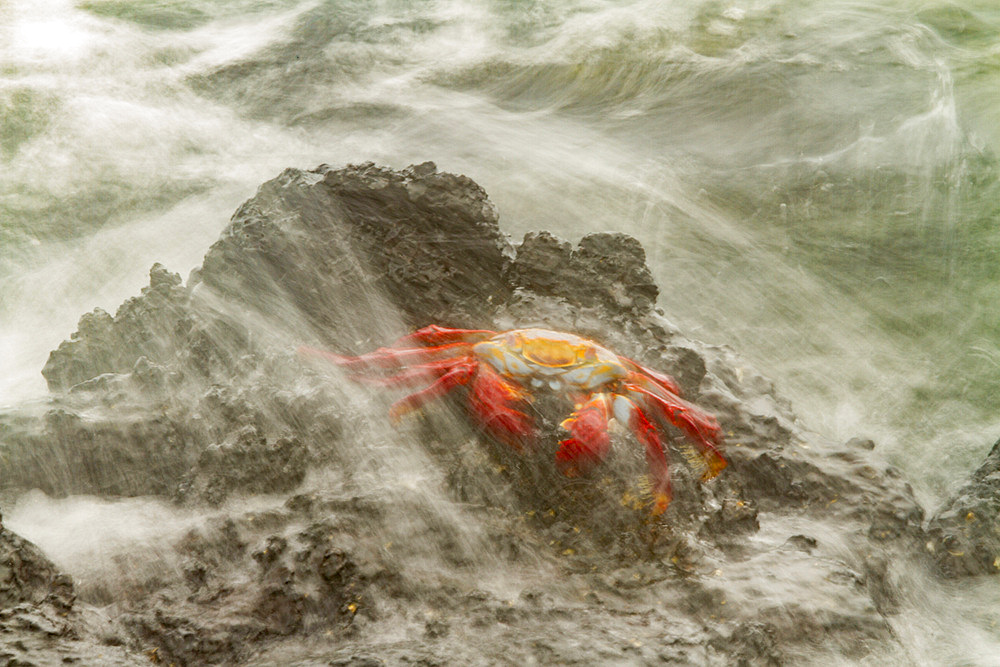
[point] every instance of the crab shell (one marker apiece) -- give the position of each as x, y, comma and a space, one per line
560, 361
503, 370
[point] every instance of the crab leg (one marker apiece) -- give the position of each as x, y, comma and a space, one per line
492, 401
700, 427
435, 335
589, 441
662, 380
386, 358
646, 432
414, 376
462, 372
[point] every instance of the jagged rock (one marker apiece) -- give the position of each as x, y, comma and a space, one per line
40, 623
964, 535
247, 462
605, 269
27, 576
192, 392
118, 455
144, 326
326, 240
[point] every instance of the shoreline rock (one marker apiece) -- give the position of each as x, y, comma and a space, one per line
193, 393
40, 623
964, 534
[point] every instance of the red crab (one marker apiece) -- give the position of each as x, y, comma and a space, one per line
502, 370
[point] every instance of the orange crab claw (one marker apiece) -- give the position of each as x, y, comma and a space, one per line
699, 426
589, 441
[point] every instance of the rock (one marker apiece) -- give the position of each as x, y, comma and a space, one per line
964, 535
27, 576
395, 546
606, 270
40, 622
325, 241
246, 462
144, 326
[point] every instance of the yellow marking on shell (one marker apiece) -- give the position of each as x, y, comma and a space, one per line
539, 356
552, 353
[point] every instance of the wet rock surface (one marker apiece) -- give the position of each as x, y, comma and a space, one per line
328, 538
39, 622
964, 535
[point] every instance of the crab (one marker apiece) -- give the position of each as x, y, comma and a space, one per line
504, 371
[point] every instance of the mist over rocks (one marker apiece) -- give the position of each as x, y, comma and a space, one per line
193, 393
40, 623
327, 240
965, 532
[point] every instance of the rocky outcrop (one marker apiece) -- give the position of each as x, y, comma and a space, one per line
964, 535
39, 624
326, 241
193, 392
27, 576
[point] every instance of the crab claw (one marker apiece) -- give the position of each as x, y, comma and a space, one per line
700, 427
589, 441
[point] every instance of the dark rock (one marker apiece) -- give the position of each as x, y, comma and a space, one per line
862, 443
144, 326
246, 462
542, 264
754, 643
41, 622
326, 240
27, 576
885, 594
964, 534
193, 393
117, 455
607, 270
735, 516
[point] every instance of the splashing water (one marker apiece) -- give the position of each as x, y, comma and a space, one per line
815, 183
